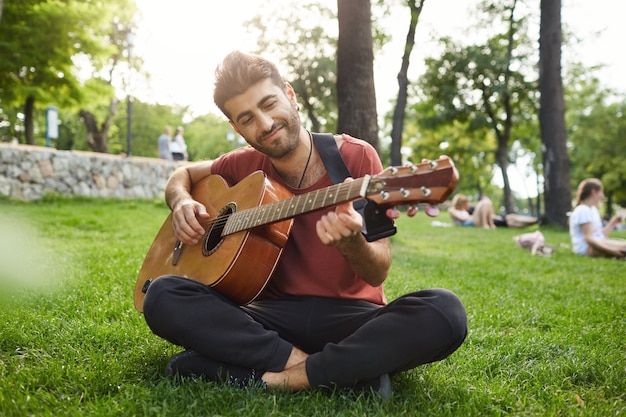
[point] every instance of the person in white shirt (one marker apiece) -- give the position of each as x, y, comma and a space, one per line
589, 236
178, 147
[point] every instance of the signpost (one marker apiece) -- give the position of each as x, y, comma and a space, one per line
52, 124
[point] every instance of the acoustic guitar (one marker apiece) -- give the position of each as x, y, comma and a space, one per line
250, 222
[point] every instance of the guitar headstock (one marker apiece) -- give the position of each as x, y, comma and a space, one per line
429, 182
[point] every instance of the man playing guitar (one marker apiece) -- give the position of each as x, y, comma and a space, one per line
322, 320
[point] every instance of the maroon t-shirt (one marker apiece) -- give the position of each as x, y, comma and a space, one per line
307, 266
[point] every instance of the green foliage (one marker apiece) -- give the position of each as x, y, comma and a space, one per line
476, 100
597, 133
36, 44
206, 136
468, 85
40, 43
210, 136
545, 334
148, 122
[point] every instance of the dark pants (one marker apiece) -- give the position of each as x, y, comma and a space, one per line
348, 340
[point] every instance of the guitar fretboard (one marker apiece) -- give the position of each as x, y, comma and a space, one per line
300, 204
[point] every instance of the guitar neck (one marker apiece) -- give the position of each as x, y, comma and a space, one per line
294, 206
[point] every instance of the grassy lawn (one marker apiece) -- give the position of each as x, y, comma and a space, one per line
547, 334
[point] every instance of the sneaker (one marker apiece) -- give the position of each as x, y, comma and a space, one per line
192, 364
379, 387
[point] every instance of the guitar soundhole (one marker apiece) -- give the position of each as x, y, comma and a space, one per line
214, 238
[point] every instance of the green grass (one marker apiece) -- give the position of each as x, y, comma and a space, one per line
547, 334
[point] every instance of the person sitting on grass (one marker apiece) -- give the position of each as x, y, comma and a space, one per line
589, 236
482, 215
323, 319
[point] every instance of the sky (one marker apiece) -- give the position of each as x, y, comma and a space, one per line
182, 42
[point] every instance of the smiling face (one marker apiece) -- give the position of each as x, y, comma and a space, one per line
266, 116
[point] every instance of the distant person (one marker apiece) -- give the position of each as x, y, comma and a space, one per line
178, 147
483, 215
589, 235
164, 144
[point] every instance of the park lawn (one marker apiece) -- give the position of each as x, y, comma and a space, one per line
547, 334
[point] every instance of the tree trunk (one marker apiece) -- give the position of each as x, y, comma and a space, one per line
95, 138
29, 110
400, 110
310, 111
98, 138
356, 96
502, 159
557, 195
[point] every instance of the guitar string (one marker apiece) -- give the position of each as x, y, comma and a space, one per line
221, 220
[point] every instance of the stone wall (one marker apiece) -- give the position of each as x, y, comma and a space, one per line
30, 172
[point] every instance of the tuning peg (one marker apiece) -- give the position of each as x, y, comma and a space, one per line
411, 167
411, 211
432, 211
392, 213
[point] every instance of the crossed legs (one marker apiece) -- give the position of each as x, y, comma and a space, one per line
301, 342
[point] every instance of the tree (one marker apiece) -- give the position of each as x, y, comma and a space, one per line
477, 87
556, 164
40, 43
472, 153
103, 99
403, 81
596, 134
356, 96
38, 40
103, 103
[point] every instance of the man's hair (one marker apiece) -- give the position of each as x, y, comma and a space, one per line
240, 71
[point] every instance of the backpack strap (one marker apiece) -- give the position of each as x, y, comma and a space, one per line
376, 224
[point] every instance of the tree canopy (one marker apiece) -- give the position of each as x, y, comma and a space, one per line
41, 42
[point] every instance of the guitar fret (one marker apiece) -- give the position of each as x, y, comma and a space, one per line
230, 225
308, 200
303, 203
315, 200
259, 216
278, 211
239, 223
245, 221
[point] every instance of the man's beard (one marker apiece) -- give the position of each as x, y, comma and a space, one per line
285, 146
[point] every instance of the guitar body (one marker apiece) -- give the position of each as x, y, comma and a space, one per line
238, 265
